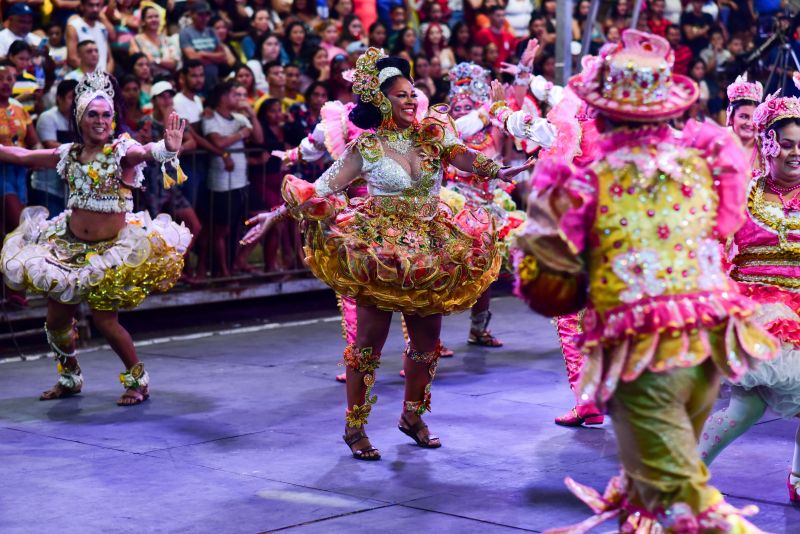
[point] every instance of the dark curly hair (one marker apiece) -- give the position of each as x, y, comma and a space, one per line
365, 115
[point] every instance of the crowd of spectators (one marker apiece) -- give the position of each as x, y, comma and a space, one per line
250, 76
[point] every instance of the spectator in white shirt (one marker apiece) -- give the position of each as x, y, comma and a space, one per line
227, 199
47, 187
89, 26
88, 60
20, 24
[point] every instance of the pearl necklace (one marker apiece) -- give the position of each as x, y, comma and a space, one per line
778, 189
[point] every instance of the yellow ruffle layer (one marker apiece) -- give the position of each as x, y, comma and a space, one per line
42, 256
389, 258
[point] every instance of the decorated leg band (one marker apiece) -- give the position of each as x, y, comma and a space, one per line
479, 322
366, 361
430, 358
62, 341
63, 344
135, 378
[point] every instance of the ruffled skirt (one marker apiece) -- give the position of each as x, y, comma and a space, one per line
507, 219
404, 254
42, 256
777, 381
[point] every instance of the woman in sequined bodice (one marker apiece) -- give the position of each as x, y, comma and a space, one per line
92, 252
767, 268
395, 249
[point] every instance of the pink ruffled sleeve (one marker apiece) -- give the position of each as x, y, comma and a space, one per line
730, 170
563, 203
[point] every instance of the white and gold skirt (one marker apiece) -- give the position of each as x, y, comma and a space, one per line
43, 256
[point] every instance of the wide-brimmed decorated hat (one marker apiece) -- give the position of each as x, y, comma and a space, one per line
633, 80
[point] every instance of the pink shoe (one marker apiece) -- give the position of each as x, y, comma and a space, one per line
581, 415
342, 378
793, 489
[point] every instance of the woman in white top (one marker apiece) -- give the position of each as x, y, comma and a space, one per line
97, 251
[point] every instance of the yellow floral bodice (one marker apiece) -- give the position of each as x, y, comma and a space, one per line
652, 238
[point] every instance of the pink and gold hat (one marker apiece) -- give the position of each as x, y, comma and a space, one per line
633, 80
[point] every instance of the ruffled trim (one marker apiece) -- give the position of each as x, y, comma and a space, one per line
679, 518
146, 255
670, 332
63, 159
664, 314
778, 310
338, 129
728, 164
552, 178
122, 144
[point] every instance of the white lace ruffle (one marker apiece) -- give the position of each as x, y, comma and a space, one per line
31, 259
124, 143
63, 159
778, 381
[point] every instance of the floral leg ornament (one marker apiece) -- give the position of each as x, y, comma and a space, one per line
364, 361
70, 379
136, 381
419, 407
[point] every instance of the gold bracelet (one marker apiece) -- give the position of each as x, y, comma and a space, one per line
497, 105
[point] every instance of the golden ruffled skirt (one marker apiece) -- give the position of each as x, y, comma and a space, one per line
405, 254
42, 256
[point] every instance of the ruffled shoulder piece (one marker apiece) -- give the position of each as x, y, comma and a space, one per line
63, 158
120, 148
565, 196
338, 128
568, 130
369, 146
728, 165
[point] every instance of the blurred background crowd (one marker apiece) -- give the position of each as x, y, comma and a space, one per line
250, 77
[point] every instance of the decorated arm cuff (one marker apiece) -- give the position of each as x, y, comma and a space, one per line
500, 112
483, 166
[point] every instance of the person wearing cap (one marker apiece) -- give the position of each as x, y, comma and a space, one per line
158, 198
198, 41
634, 235
88, 26
20, 23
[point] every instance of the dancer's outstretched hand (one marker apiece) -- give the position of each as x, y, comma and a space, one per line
261, 224
530, 53
508, 68
507, 174
173, 134
497, 92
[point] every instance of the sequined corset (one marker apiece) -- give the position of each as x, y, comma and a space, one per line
393, 187
768, 244
97, 185
652, 241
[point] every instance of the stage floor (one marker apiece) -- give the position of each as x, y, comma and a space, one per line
243, 434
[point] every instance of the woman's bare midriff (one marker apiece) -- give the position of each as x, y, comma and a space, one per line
95, 226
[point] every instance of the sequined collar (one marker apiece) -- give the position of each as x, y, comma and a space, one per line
773, 220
